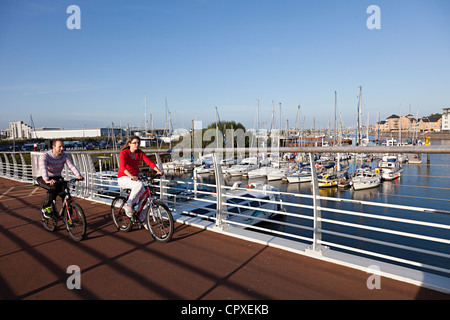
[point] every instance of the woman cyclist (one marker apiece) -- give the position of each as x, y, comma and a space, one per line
129, 159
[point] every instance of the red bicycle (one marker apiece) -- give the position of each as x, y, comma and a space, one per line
158, 218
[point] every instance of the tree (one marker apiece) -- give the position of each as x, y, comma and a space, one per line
224, 125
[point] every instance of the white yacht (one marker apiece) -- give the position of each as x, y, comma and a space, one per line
243, 167
366, 178
303, 175
260, 172
390, 167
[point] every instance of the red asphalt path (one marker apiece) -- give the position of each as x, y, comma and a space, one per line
196, 264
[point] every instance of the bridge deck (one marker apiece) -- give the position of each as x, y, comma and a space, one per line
196, 264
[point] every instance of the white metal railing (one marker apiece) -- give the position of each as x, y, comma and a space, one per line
314, 211
14, 168
301, 217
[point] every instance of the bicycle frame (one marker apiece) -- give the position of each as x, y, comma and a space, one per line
66, 201
143, 199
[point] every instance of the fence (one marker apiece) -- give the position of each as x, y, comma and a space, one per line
351, 232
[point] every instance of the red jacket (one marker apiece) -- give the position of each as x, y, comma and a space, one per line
132, 165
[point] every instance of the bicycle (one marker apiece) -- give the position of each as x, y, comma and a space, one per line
158, 218
71, 213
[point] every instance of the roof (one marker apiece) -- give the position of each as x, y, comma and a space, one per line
430, 119
393, 116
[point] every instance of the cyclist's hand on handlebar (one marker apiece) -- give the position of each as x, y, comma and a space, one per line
80, 178
134, 178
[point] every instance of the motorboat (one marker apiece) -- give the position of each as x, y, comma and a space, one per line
344, 180
366, 178
243, 205
260, 172
415, 159
326, 180
389, 167
204, 169
243, 167
303, 175
279, 173
167, 166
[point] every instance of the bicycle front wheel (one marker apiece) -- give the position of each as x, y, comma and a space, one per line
49, 223
160, 221
75, 221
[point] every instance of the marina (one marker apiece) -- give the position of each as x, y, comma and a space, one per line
414, 188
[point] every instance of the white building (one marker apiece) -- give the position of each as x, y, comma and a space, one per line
47, 133
446, 120
19, 130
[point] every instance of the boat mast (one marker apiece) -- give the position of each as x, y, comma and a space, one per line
335, 105
166, 129
145, 114
298, 125
279, 127
359, 110
400, 126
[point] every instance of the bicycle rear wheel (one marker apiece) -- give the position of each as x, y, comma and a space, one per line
75, 221
122, 222
160, 221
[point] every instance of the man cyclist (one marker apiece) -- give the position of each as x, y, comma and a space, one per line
51, 164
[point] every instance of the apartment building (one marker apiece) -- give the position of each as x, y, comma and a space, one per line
446, 120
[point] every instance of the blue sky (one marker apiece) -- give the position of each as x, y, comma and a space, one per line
201, 54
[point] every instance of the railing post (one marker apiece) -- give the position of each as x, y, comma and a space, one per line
1, 166
220, 192
90, 176
195, 179
316, 249
24, 168
15, 173
162, 182
8, 167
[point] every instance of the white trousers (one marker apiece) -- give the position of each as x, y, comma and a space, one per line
137, 188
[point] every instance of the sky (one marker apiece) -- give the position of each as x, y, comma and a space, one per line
232, 55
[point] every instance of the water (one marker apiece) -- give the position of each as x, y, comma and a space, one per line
421, 185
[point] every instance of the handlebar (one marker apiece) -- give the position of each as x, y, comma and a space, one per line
150, 179
71, 180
